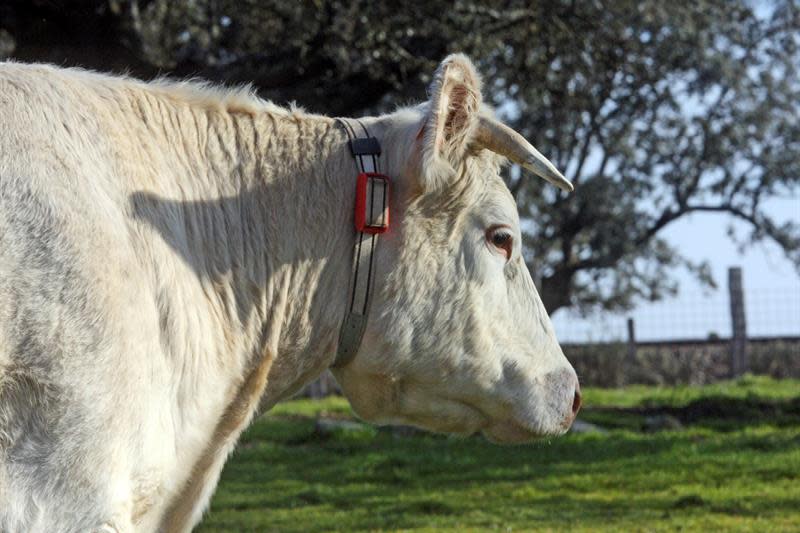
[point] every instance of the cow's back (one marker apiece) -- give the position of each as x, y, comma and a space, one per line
67, 275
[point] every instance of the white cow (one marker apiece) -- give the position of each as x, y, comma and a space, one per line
175, 258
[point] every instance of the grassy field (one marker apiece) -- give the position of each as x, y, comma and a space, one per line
733, 466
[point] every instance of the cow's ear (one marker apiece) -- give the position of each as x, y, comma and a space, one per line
452, 116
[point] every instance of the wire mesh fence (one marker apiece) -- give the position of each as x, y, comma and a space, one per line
697, 338
773, 312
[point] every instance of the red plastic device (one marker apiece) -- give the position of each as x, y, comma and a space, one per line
380, 186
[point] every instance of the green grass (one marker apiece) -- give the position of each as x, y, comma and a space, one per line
708, 476
641, 395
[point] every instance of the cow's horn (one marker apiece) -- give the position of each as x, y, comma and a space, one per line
501, 139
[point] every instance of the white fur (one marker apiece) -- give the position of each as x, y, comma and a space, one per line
174, 258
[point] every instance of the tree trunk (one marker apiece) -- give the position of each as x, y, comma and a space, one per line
556, 290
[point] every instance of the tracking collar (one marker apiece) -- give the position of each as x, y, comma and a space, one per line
371, 219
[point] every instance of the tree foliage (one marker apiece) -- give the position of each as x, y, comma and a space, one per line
655, 110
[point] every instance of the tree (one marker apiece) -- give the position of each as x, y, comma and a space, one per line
333, 56
655, 110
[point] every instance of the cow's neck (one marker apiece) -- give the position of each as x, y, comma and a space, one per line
265, 227
278, 257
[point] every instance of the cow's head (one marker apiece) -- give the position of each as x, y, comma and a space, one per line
458, 339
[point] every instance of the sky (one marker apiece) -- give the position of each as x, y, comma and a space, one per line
771, 288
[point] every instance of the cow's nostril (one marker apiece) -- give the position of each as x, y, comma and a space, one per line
576, 402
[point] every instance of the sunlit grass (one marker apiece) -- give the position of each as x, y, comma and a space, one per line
641, 395
287, 477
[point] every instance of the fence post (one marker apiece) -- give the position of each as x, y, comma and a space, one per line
630, 357
739, 363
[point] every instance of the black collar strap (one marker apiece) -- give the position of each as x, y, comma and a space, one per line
371, 219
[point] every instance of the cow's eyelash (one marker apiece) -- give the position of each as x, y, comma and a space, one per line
502, 239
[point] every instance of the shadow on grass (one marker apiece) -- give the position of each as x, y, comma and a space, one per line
717, 412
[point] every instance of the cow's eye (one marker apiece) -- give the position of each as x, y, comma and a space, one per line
501, 239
